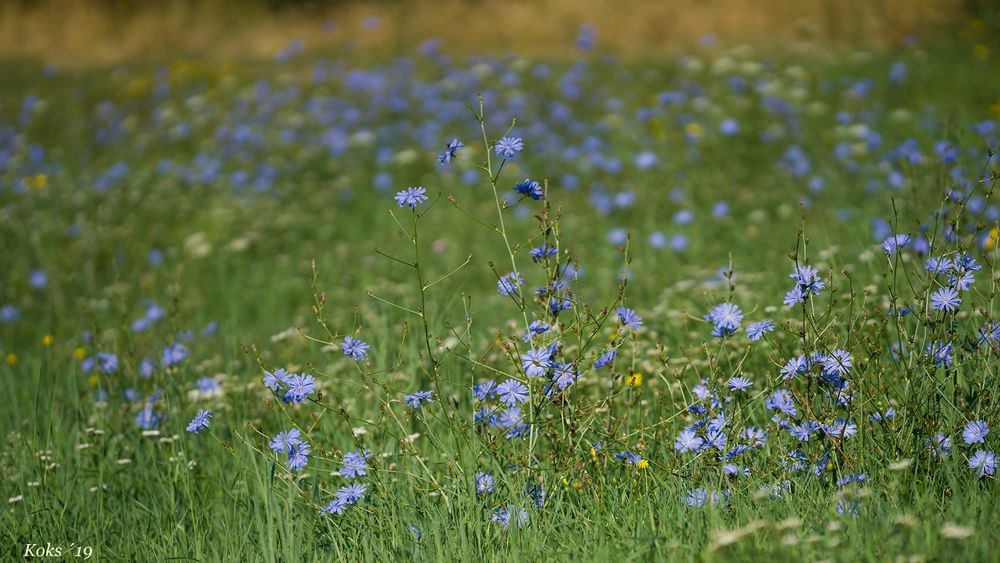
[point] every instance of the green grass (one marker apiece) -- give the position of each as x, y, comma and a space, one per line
80, 472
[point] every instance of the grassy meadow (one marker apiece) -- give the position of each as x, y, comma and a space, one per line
729, 303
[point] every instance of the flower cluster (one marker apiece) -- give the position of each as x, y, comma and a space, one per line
355, 465
296, 388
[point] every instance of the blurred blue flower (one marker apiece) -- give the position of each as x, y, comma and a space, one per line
174, 354
38, 279
509, 282
586, 38
449, 151
895, 243
940, 444
605, 359
355, 464
484, 483
415, 400
200, 421
985, 463
9, 314
147, 418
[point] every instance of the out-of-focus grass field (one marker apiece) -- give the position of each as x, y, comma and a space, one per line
74, 32
147, 202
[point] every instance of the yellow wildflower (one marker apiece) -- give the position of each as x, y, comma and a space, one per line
991, 240
694, 130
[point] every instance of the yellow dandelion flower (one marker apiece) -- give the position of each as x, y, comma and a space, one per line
11, 358
93, 381
40, 181
80, 353
694, 130
593, 451
577, 485
634, 380
642, 464
47, 340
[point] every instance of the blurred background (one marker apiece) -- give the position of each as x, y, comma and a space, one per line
70, 32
